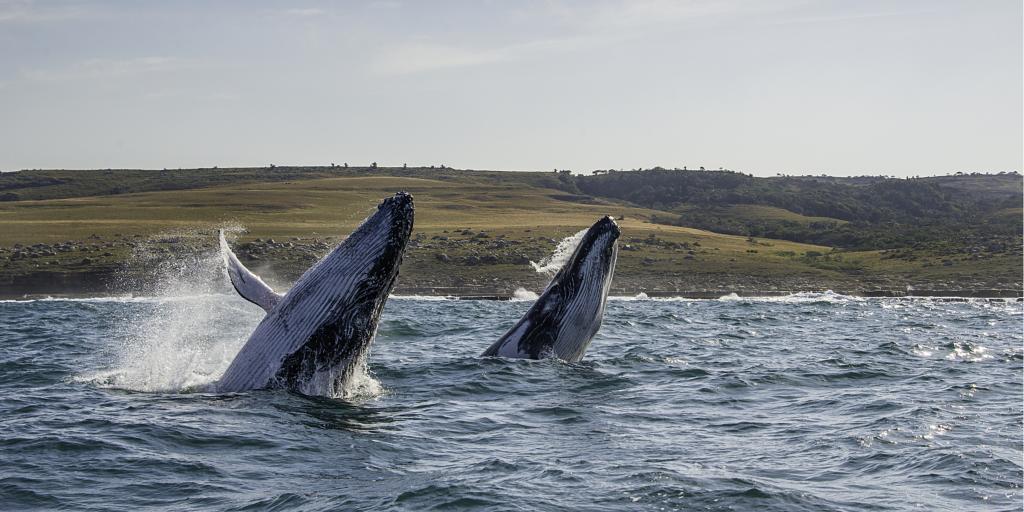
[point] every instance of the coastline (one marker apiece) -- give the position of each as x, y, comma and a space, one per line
110, 284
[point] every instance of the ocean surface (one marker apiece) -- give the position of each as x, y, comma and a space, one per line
807, 402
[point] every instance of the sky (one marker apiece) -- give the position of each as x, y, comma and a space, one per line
840, 87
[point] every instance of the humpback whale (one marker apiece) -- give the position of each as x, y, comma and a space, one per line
566, 316
315, 337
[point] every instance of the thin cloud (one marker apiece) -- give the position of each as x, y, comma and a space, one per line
30, 11
585, 25
192, 95
849, 17
426, 56
385, 4
310, 11
646, 14
105, 68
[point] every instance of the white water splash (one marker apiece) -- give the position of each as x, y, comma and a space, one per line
184, 336
644, 297
563, 251
362, 385
522, 295
796, 298
422, 297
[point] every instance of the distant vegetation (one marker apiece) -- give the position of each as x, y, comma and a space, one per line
477, 230
850, 213
944, 213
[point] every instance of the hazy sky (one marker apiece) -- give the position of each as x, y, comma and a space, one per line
838, 87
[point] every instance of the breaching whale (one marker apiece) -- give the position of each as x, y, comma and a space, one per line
568, 314
315, 337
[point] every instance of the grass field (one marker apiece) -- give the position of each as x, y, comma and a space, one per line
471, 233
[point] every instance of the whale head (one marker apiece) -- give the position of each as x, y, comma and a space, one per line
569, 312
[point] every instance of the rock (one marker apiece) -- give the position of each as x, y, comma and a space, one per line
489, 259
472, 261
442, 257
86, 261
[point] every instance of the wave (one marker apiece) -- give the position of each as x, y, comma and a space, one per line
124, 299
523, 295
644, 297
422, 297
796, 298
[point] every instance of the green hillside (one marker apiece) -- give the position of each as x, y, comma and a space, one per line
476, 233
871, 213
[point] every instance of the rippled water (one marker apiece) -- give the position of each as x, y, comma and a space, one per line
810, 402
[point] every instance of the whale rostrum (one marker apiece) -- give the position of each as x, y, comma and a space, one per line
315, 337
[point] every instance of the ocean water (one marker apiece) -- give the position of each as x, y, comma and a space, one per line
808, 402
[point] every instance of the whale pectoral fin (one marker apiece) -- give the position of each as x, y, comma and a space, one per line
247, 284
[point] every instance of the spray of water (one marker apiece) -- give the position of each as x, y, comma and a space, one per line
563, 251
184, 338
187, 334
522, 294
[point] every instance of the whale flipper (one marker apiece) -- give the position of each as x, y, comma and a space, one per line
247, 284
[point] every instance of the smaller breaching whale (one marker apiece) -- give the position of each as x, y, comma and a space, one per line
569, 312
315, 337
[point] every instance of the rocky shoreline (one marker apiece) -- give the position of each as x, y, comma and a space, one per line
110, 282
451, 263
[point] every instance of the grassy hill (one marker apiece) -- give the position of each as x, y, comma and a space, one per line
946, 213
475, 233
